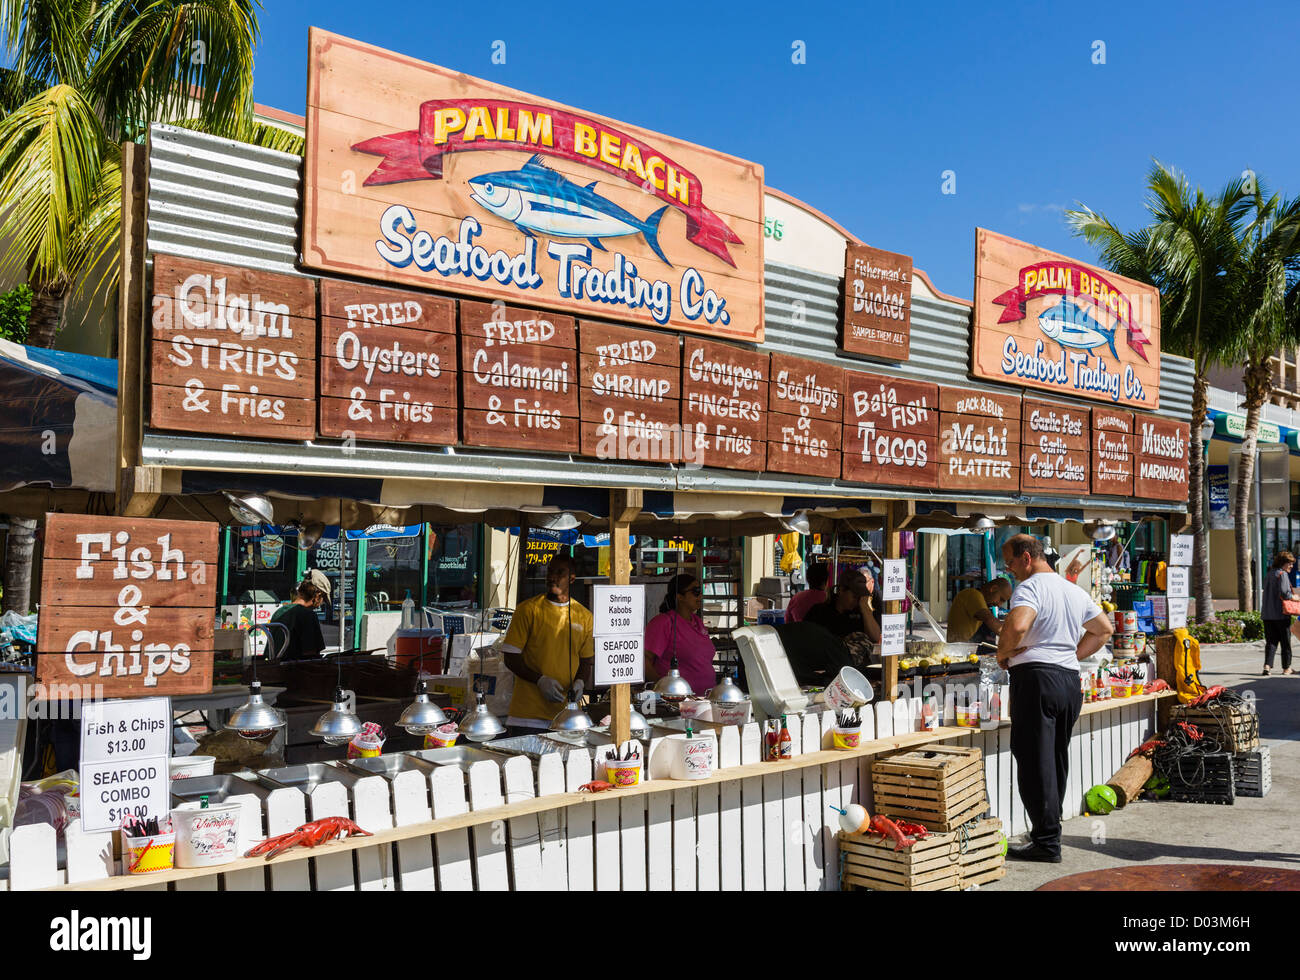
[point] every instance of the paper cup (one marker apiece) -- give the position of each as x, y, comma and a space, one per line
187, 767
623, 773
140, 855
846, 738
849, 690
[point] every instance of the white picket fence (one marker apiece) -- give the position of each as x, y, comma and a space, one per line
768, 831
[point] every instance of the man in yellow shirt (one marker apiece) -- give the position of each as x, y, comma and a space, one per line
970, 618
549, 648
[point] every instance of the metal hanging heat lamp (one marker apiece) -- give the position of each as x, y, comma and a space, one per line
250, 508
673, 686
339, 725
480, 725
255, 718
727, 692
571, 718
309, 534
797, 523
421, 716
1100, 531
981, 523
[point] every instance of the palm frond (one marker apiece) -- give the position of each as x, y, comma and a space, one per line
96, 245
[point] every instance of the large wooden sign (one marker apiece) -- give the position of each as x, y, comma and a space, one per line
1161, 459
724, 405
387, 365
519, 378
128, 604
233, 351
1046, 321
891, 430
1055, 443
630, 393
979, 441
877, 303
424, 176
805, 407
1112, 452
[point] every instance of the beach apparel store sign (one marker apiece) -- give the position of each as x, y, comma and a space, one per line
1045, 321
423, 176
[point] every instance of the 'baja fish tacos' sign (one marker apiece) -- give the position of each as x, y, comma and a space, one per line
1046, 321
424, 176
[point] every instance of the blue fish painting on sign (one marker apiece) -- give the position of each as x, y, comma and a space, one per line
536, 198
1071, 326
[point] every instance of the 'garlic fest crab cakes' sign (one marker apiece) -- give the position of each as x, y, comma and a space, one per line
427, 177
1045, 321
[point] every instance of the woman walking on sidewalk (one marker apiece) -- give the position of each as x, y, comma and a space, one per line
1277, 624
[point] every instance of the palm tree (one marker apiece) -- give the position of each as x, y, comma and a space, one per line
1185, 252
84, 76
1261, 310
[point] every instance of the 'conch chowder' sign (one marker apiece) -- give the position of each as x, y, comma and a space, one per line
500, 195
1045, 321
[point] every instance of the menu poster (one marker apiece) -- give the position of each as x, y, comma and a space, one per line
630, 393
618, 613
387, 365
891, 430
1180, 549
519, 374
805, 406
979, 441
724, 405
1177, 581
893, 630
894, 586
1177, 613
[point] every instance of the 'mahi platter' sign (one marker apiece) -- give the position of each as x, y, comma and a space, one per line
424, 176
1042, 320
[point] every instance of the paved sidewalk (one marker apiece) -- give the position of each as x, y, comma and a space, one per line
1252, 831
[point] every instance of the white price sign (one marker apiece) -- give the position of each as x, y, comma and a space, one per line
619, 660
893, 629
894, 586
1177, 580
1180, 550
619, 614
125, 746
1177, 613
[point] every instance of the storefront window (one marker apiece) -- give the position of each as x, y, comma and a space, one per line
325, 555
453, 557
393, 568
265, 562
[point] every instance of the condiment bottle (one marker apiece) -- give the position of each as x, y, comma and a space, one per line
929, 713
771, 741
785, 742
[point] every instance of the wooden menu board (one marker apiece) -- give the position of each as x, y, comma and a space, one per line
630, 393
805, 407
877, 303
425, 176
233, 351
1045, 321
891, 430
387, 364
128, 604
519, 378
1055, 451
1112, 452
724, 405
1161, 458
979, 441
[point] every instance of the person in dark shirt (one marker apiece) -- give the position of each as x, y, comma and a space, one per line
850, 615
299, 617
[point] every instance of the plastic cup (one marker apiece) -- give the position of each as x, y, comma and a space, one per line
846, 738
144, 854
441, 740
623, 773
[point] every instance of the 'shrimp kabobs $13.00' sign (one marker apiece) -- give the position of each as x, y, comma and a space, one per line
127, 606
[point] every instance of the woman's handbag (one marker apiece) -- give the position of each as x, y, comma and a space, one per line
1291, 607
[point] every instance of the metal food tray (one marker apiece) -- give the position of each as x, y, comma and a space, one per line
536, 746
458, 755
217, 789
306, 777
389, 766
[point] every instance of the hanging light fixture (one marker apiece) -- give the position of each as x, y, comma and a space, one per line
255, 718
309, 534
480, 725
981, 523
1100, 531
637, 725
250, 508
571, 718
797, 523
727, 692
563, 521
339, 725
421, 716
673, 686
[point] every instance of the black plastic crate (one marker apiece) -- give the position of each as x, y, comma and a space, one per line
1252, 772
1204, 778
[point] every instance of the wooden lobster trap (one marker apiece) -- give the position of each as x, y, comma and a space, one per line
1235, 728
1252, 772
984, 858
930, 865
939, 786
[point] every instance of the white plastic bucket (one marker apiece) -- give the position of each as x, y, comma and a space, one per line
849, 690
190, 766
207, 836
695, 757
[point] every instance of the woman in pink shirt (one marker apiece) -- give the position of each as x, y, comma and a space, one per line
811, 596
679, 630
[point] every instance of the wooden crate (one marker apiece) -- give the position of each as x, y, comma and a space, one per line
930, 865
983, 860
938, 786
1235, 729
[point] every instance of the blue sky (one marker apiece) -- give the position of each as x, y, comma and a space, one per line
891, 95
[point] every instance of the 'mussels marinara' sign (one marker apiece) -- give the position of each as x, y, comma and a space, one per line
1160, 461
877, 303
127, 604
1046, 321
425, 176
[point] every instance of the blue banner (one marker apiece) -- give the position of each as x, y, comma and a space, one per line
1220, 516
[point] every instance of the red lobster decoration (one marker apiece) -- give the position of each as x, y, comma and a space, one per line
885, 828
1209, 695
308, 835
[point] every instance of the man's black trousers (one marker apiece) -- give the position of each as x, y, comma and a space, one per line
1045, 703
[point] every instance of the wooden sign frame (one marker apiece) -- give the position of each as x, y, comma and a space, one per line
1161, 458
1113, 443
877, 303
1055, 448
724, 405
630, 393
979, 441
805, 410
891, 430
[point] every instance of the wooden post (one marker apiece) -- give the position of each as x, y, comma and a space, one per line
893, 549
1167, 649
132, 348
624, 506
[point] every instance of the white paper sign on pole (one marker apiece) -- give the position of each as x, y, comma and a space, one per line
1178, 582
894, 586
1180, 550
1177, 613
619, 614
125, 746
893, 629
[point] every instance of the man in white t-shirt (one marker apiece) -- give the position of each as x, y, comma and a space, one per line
1051, 626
